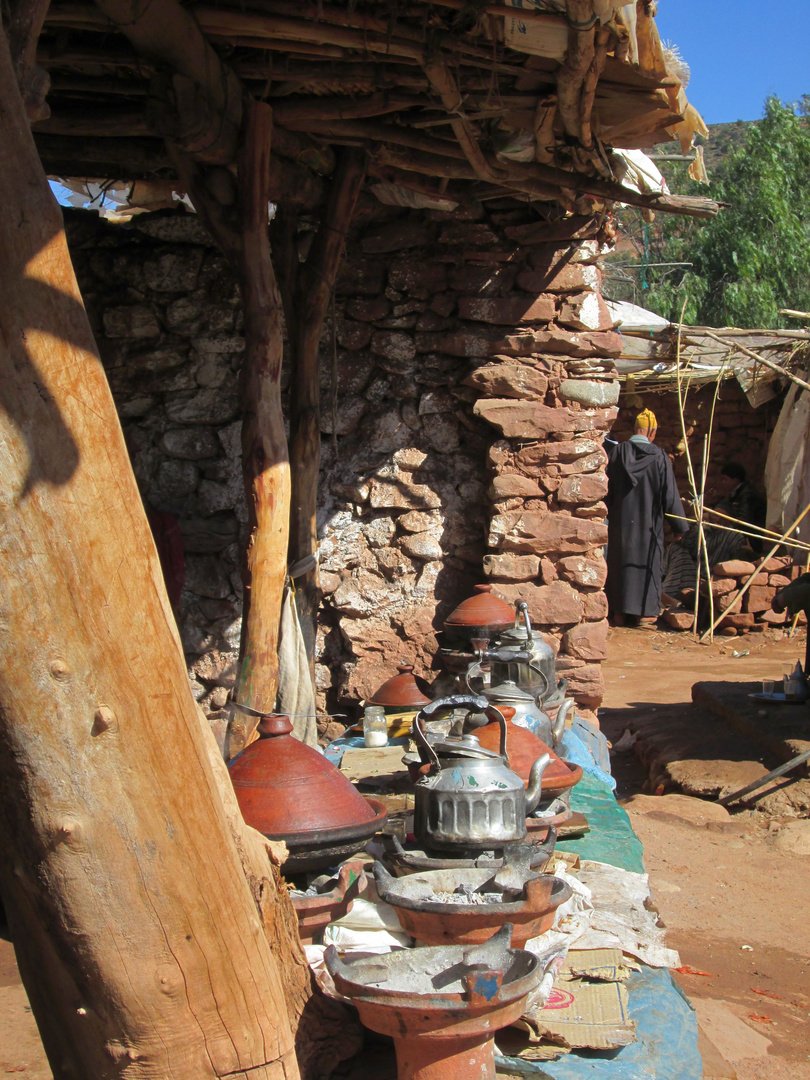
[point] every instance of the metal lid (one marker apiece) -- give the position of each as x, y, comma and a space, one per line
508, 691
464, 746
516, 635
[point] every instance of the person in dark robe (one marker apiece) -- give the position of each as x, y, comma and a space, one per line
641, 491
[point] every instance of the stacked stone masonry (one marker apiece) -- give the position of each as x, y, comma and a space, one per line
461, 437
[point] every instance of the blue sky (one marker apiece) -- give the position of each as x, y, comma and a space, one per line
740, 51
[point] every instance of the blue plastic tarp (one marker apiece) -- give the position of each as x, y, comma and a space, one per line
665, 1046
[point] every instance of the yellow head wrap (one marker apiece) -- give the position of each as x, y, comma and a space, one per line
645, 421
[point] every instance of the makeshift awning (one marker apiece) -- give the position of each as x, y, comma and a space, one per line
650, 355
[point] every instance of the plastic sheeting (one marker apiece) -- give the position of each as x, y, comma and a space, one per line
636, 319
665, 1047
586, 746
624, 915
611, 839
640, 173
787, 472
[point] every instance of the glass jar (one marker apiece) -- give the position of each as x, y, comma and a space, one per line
375, 726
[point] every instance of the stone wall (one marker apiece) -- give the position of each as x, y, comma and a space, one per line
462, 438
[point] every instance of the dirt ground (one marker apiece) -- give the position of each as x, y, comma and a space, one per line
731, 888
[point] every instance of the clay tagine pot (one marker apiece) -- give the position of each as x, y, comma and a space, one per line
402, 691
442, 1006
524, 749
290, 792
480, 616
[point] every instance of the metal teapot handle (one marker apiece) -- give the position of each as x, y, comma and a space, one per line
522, 608
505, 655
473, 703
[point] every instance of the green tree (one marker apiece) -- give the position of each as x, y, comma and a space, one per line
754, 257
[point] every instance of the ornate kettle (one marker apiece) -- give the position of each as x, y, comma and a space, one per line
468, 797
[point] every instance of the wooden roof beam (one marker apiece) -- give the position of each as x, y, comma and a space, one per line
24, 19
144, 158
200, 84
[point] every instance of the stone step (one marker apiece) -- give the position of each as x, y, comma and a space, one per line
688, 747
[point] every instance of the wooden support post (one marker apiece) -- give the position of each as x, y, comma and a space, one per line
240, 228
265, 460
317, 280
136, 934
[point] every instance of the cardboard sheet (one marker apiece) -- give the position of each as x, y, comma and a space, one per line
586, 1011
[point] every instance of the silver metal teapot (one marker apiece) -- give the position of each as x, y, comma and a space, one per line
469, 797
528, 713
522, 656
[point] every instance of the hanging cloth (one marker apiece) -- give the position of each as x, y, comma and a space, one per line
787, 471
296, 694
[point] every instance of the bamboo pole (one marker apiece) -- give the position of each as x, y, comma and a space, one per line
751, 577
705, 541
741, 532
689, 470
757, 531
706, 451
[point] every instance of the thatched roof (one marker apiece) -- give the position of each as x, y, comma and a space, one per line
448, 98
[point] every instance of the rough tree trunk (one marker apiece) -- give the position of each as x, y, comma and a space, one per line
136, 933
265, 461
317, 280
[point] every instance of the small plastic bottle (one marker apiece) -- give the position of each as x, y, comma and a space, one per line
375, 726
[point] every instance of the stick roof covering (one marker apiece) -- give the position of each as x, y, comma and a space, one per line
449, 98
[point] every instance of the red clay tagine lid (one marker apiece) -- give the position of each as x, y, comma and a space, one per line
284, 787
481, 610
402, 691
524, 749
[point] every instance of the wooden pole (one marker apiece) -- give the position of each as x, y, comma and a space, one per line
317, 282
749, 581
690, 471
265, 461
24, 22
137, 938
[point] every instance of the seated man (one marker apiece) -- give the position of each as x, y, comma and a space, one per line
740, 500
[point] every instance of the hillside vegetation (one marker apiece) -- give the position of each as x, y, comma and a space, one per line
739, 268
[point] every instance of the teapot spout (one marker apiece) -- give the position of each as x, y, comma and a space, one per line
559, 722
535, 786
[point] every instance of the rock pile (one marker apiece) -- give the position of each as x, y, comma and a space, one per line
754, 613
